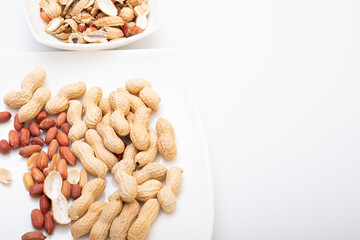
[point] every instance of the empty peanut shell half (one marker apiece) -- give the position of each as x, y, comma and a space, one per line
5, 176
74, 176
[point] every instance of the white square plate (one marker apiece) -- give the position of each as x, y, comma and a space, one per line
37, 25
193, 218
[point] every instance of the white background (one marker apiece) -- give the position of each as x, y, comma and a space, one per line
277, 85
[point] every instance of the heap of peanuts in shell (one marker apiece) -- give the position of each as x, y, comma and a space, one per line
98, 143
94, 21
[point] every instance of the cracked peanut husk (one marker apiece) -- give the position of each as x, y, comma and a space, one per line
5, 176
109, 22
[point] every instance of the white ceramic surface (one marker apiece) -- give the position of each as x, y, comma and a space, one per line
37, 25
193, 218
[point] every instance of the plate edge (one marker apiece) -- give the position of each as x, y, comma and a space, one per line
202, 133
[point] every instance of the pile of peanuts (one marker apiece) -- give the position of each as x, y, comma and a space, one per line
94, 21
98, 143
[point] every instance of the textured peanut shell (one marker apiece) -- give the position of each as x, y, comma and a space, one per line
67, 8
98, 36
135, 85
95, 11
119, 101
104, 105
93, 113
52, 189
114, 171
166, 196
128, 186
167, 199
130, 118
166, 139
127, 183
174, 179
111, 141
134, 101
96, 142
152, 170
59, 33
134, 3
91, 191
128, 165
111, 21
31, 82
101, 228
120, 104
148, 190
75, 112
119, 123
121, 224
150, 98
54, 25
61, 101
74, 26
148, 155
130, 151
139, 132
78, 7
51, 8
113, 33
85, 153
147, 215
127, 14
84, 224
31, 109
78, 127
63, 36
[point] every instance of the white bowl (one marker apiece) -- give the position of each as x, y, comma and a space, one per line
37, 25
